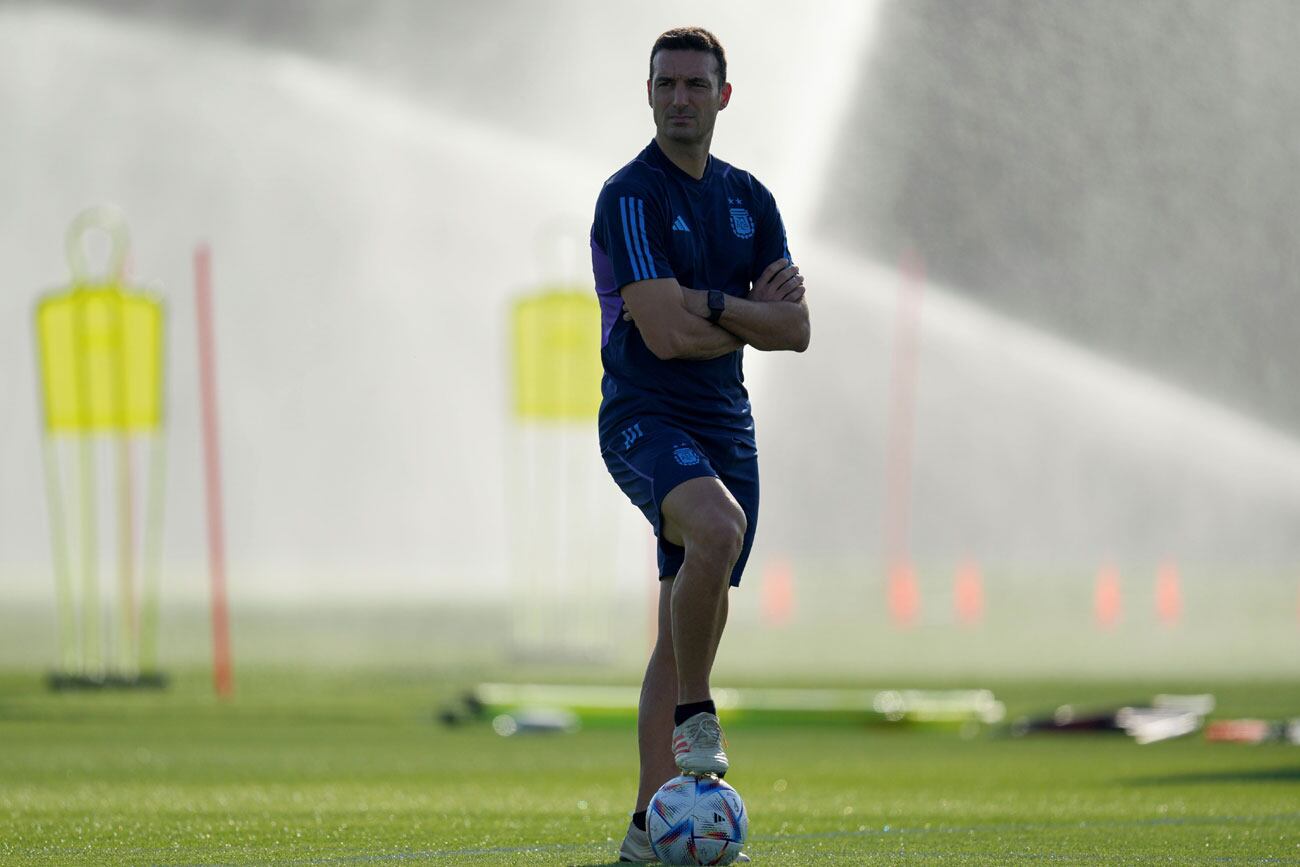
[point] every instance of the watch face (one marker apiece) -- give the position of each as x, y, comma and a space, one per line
717, 303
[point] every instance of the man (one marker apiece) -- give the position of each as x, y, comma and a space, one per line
691, 265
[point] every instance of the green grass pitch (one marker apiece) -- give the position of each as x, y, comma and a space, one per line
350, 768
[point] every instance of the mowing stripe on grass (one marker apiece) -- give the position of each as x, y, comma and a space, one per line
556, 848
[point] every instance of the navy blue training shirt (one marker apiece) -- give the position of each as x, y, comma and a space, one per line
653, 220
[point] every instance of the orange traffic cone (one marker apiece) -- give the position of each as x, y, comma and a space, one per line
1106, 599
777, 596
968, 594
904, 597
1169, 597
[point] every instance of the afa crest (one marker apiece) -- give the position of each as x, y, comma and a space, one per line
686, 456
741, 223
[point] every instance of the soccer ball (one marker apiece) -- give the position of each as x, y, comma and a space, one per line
696, 820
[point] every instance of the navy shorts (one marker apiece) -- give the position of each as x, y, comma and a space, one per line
650, 456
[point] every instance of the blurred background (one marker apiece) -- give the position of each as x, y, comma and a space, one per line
1049, 422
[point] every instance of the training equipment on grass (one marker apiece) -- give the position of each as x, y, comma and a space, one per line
1165, 716
543, 721
1253, 731
1169, 716
696, 820
101, 348
959, 709
1149, 725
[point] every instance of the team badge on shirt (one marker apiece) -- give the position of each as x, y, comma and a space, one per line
741, 223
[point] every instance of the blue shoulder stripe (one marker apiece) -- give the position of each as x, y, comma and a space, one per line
627, 239
645, 245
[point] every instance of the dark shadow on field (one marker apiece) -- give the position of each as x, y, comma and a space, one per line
1255, 775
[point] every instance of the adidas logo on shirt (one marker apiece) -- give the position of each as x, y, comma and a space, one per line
679, 225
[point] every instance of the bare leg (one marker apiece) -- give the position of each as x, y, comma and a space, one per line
703, 517
654, 721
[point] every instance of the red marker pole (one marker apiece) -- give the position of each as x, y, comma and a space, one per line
904, 594
223, 678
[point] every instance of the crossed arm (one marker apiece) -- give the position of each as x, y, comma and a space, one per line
673, 320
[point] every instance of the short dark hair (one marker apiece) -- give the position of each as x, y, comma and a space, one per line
691, 39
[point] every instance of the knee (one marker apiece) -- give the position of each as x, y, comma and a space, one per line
719, 535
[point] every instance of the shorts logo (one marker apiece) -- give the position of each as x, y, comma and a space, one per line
631, 435
741, 223
686, 456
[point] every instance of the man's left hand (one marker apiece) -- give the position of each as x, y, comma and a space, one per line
780, 281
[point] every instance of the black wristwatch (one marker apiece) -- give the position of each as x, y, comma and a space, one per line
717, 303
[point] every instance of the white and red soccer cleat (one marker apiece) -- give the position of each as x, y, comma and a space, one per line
636, 847
698, 745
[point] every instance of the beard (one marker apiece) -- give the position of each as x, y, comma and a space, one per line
695, 133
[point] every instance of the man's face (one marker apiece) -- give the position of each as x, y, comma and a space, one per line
685, 95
